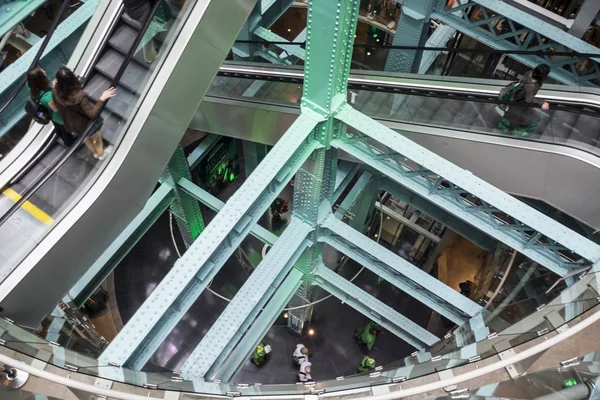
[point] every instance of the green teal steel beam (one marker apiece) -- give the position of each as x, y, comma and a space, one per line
469, 232
399, 272
330, 34
240, 313
57, 53
483, 36
14, 12
260, 327
345, 173
176, 293
363, 302
112, 256
215, 204
185, 208
354, 194
253, 155
545, 29
201, 150
269, 36
466, 196
412, 30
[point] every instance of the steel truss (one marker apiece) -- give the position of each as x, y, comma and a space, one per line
507, 28
309, 151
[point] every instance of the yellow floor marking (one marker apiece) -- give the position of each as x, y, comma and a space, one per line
29, 207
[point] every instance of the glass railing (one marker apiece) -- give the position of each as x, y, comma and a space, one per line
55, 197
562, 127
418, 365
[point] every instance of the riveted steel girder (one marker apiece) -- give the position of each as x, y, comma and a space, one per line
399, 272
168, 303
464, 195
412, 30
504, 27
231, 325
259, 328
374, 309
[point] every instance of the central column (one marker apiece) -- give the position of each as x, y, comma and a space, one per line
331, 25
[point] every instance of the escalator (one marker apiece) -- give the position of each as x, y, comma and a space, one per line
455, 118
67, 218
30, 223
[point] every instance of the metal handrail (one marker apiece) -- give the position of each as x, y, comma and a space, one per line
393, 394
58, 162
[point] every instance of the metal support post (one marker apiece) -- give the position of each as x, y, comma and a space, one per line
587, 13
413, 30
185, 208
326, 69
253, 155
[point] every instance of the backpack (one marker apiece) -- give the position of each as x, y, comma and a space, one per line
37, 112
513, 92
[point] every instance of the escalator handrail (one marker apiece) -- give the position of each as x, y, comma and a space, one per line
38, 56
59, 161
416, 89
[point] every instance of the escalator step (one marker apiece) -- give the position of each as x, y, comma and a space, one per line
123, 38
134, 75
122, 104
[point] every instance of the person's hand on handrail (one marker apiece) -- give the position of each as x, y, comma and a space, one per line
107, 94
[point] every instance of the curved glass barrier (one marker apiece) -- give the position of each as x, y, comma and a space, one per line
36, 217
445, 355
553, 126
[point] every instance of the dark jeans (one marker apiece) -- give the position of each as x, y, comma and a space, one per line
65, 136
140, 13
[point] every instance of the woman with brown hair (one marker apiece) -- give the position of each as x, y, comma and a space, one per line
40, 90
77, 110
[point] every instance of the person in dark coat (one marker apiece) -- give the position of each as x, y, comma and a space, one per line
138, 11
523, 120
78, 111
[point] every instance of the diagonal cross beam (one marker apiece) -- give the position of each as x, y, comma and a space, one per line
374, 309
451, 187
247, 303
176, 293
399, 272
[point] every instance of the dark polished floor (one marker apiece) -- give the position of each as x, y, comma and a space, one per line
333, 348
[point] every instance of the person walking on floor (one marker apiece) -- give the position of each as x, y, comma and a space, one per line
367, 334
304, 373
40, 90
523, 120
366, 364
77, 110
300, 354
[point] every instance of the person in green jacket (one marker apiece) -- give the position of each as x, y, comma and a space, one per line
368, 333
40, 89
260, 354
366, 364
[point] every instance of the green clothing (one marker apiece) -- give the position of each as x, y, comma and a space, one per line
45, 101
366, 364
364, 333
259, 354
